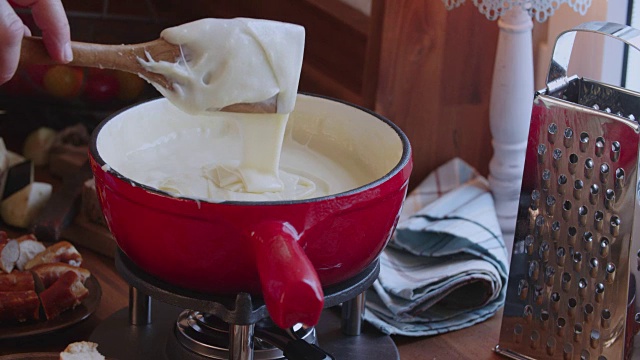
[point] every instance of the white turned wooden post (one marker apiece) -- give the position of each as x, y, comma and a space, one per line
510, 113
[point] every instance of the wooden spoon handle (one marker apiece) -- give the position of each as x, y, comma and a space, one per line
118, 57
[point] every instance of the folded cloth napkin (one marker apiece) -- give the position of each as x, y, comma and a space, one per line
445, 267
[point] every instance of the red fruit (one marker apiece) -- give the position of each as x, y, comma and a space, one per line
63, 81
101, 86
36, 73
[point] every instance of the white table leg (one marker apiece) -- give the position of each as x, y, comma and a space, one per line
510, 114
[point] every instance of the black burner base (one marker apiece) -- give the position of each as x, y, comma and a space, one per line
117, 339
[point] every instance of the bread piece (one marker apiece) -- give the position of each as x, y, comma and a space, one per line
17, 281
29, 248
82, 350
90, 205
61, 251
50, 273
21, 208
66, 293
9, 254
19, 306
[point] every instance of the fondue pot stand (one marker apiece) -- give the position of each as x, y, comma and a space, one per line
284, 251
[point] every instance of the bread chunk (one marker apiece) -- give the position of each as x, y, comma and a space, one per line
66, 293
50, 273
61, 251
17, 281
82, 350
19, 306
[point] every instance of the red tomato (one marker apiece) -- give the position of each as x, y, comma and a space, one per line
63, 81
101, 86
17, 86
36, 73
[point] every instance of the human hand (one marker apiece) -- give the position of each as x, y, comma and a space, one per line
49, 16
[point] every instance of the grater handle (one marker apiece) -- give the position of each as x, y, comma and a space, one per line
564, 44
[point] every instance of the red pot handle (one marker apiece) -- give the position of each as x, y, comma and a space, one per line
290, 285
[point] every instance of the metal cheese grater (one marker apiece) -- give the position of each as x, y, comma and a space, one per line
569, 276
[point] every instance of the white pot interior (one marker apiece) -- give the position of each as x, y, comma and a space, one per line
363, 145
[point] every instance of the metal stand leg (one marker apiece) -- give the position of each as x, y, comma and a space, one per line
139, 307
352, 315
241, 342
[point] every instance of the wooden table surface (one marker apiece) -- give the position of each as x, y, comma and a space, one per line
472, 343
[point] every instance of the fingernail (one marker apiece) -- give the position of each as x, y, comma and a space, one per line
68, 53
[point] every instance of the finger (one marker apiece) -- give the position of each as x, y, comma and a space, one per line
11, 33
50, 17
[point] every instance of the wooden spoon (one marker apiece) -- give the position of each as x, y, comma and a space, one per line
125, 58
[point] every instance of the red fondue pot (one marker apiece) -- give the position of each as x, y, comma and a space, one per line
284, 250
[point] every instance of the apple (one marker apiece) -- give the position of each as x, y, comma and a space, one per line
131, 85
101, 86
63, 81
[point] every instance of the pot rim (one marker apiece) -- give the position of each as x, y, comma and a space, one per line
402, 163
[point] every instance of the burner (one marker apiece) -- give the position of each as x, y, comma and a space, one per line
208, 336
223, 327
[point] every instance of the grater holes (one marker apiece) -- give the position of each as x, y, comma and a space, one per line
584, 141
566, 281
542, 150
599, 292
560, 326
534, 339
577, 261
587, 241
588, 312
551, 205
551, 346
560, 256
583, 211
571, 235
517, 333
573, 163
605, 318
535, 200
568, 137
604, 247
557, 156
562, 182
566, 210
614, 225
567, 351
534, 270
538, 294
544, 317
619, 175
552, 131
577, 332
615, 151
582, 287
610, 272
593, 267
543, 251
528, 244
599, 146
527, 313
604, 173
594, 339
555, 298
577, 189
549, 275
588, 168
572, 305
585, 355
594, 194
555, 231
546, 176
609, 199
523, 289
598, 220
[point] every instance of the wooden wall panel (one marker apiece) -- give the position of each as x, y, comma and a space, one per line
435, 79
